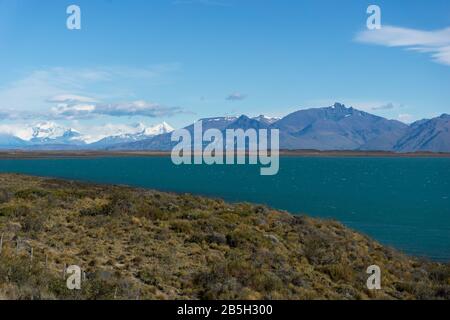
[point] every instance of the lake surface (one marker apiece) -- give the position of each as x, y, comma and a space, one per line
402, 202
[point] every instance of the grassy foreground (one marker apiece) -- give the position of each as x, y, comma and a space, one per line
143, 244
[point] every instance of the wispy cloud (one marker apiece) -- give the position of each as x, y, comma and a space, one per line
435, 43
9, 114
19, 130
73, 111
76, 93
34, 90
137, 108
406, 118
236, 96
387, 106
71, 98
80, 110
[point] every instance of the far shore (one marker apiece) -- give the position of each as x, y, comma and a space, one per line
284, 153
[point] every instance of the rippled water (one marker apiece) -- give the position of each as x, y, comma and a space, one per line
402, 202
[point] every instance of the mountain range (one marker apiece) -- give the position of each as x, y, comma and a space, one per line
142, 133
51, 136
331, 128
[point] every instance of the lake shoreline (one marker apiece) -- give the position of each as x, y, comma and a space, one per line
389, 199
266, 253
283, 153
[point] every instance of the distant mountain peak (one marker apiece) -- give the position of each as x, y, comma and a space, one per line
338, 105
9, 141
427, 135
138, 132
335, 127
161, 128
50, 131
228, 118
267, 120
243, 117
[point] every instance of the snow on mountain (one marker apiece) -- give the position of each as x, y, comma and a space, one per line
330, 128
39, 134
216, 123
158, 129
133, 133
52, 133
266, 120
47, 130
52, 136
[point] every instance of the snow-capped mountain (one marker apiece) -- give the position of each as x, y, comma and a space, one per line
336, 127
51, 133
52, 136
158, 129
265, 119
47, 131
135, 133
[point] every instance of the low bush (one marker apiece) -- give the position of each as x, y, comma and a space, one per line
30, 194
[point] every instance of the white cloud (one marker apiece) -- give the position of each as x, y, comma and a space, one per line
72, 111
67, 93
70, 98
387, 106
21, 131
39, 87
136, 108
406, 118
96, 133
436, 43
79, 110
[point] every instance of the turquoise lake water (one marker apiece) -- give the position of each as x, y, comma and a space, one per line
401, 202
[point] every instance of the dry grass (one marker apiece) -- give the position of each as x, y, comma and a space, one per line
152, 245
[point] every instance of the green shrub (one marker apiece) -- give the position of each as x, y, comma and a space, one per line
318, 251
97, 210
339, 272
440, 274
33, 222
30, 194
15, 211
147, 277
5, 196
181, 226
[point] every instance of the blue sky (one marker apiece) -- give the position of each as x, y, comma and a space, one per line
181, 60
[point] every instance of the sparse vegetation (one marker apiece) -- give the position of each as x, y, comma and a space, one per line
145, 244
